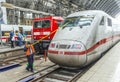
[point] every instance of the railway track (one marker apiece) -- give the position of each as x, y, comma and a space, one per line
17, 59
55, 74
59, 75
9, 54
38, 73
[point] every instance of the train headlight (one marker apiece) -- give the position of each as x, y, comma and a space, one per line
52, 45
76, 46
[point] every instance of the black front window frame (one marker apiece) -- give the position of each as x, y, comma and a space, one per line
42, 24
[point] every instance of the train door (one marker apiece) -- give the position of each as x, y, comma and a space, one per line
100, 34
108, 33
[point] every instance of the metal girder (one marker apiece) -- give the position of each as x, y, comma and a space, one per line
65, 7
102, 4
107, 5
93, 4
115, 9
24, 9
112, 7
115, 12
118, 2
84, 2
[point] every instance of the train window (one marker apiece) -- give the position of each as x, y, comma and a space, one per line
69, 22
109, 21
45, 23
42, 24
102, 21
37, 24
78, 21
85, 21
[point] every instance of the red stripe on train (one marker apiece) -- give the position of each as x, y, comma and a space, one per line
101, 42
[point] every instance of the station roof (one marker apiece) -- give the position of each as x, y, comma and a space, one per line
65, 7
112, 7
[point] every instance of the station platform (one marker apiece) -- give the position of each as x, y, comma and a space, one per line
107, 69
20, 72
1, 46
8, 48
7, 51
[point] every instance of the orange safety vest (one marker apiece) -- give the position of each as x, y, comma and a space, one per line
28, 49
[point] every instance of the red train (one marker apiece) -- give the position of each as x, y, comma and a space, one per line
43, 27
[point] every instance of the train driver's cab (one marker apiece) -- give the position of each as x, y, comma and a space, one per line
85, 23
80, 21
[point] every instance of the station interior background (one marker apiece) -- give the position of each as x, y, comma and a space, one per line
23, 11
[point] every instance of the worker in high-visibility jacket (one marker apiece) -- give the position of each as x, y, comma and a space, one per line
29, 49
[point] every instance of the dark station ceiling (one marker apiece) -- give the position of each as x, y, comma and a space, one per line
112, 7
65, 7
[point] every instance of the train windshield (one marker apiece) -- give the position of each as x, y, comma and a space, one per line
70, 22
42, 24
77, 21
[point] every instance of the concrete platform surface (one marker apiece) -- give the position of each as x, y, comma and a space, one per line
107, 69
15, 74
6, 48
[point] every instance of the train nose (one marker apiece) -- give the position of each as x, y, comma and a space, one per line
74, 45
67, 53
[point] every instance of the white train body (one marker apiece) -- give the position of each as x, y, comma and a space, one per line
83, 38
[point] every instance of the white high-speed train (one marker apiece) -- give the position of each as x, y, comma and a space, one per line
85, 35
